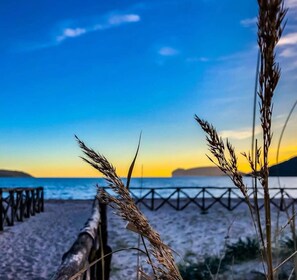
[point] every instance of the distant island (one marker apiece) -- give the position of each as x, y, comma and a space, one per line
286, 168
10, 173
198, 171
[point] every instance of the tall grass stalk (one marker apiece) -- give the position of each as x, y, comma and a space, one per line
163, 265
271, 15
270, 27
291, 219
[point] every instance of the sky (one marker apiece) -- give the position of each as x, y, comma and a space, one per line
108, 70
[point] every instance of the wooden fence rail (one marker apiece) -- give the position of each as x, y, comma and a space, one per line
90, 245
206, 197
19, 203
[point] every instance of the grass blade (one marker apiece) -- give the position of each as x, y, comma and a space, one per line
133, 163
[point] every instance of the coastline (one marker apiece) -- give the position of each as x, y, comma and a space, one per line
33, 249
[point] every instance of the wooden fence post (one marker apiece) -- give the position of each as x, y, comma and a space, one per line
21, 205
1, 210
203, 210
42, 199
102, 266
281, 207
33, 202
78, 256
11, 202
153, 200
229, 199
28, 204
178, 198
37, 200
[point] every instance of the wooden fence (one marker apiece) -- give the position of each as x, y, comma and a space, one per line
90, 245
16, 204
206, 197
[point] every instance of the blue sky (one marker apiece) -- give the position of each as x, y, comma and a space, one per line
106, 70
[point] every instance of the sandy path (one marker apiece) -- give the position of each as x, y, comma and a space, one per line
33, 249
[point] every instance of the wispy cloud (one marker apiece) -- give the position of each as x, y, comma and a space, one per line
291, 3
197, 59
287, 45
168, 51
289, 39
249, 22
73, 29
288, 52
246, 132
120, 19
71, 33
245, 55
111, 21
239, 134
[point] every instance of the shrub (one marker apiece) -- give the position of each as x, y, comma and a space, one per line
203, 270
242, 250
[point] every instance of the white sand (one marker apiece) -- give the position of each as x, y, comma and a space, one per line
33, 249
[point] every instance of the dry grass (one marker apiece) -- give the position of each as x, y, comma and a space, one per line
270, 28
163, 265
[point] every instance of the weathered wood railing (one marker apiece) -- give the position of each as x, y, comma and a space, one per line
90, 245
19, 203
206, 197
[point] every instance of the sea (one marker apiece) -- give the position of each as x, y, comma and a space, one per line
86, 188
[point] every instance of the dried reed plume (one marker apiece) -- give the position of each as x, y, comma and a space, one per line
126, 208
270, 18
217, 148
270, 28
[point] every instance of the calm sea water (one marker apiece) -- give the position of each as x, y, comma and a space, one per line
85, 188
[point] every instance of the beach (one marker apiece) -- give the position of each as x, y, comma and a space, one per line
33, 249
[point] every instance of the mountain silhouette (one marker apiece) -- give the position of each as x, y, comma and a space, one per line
11, 173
